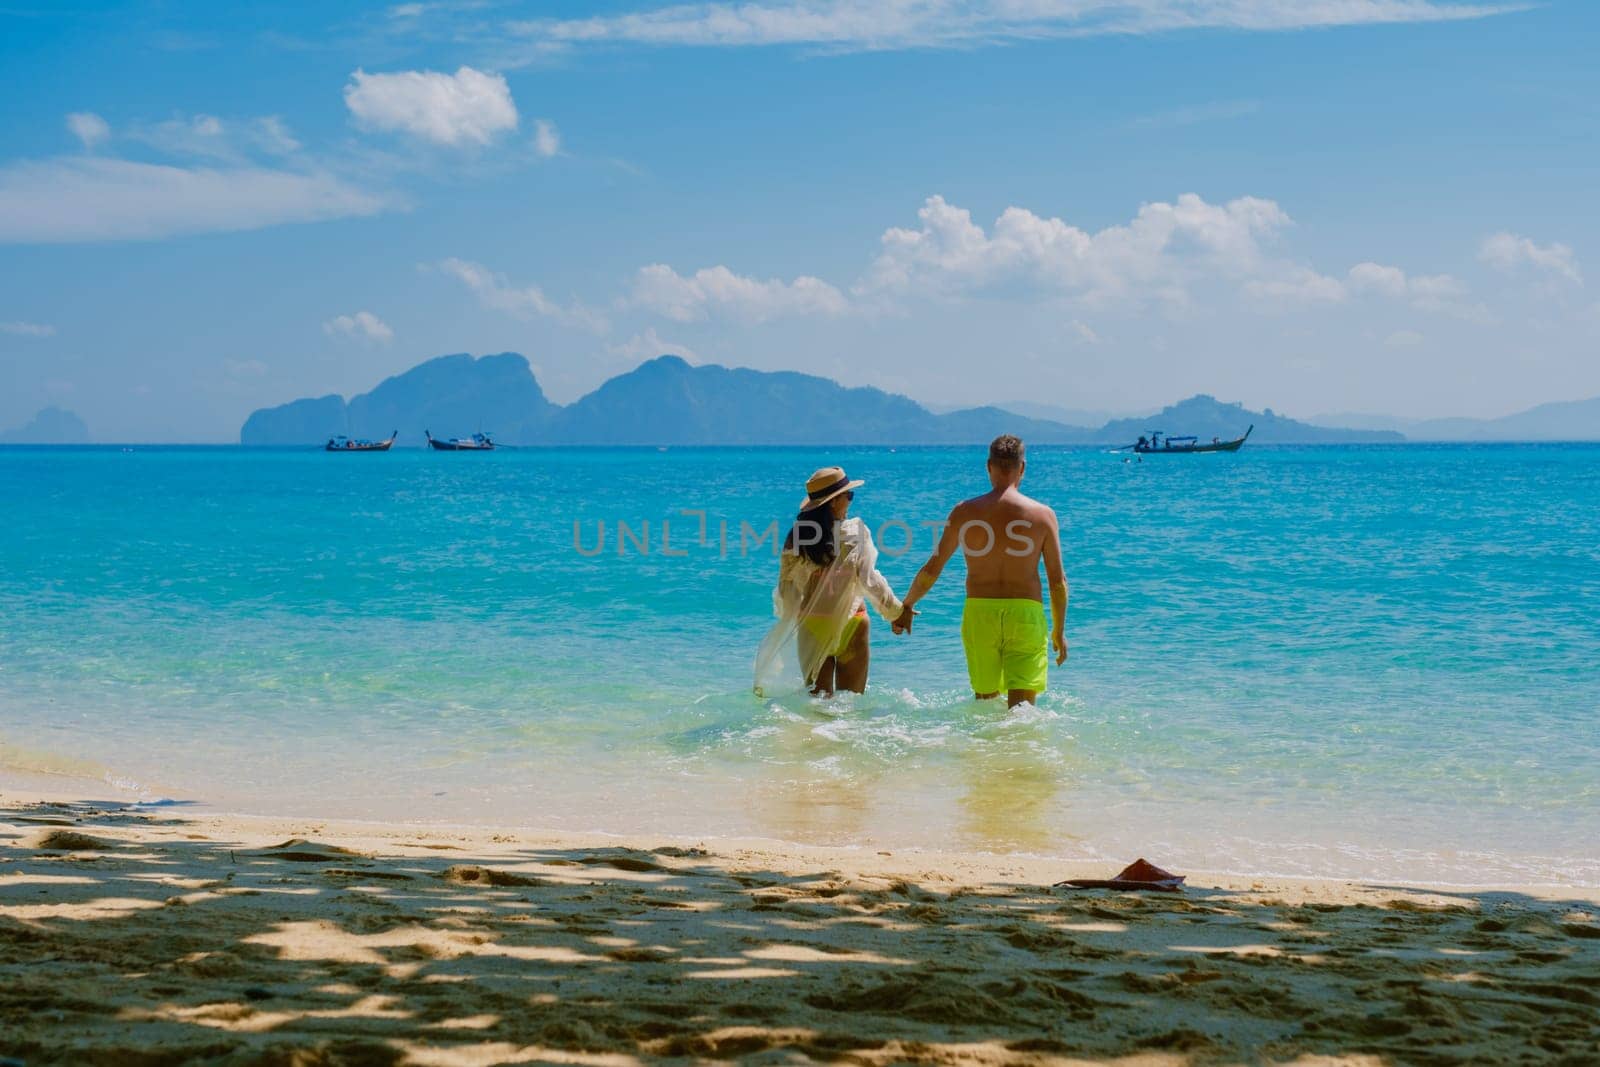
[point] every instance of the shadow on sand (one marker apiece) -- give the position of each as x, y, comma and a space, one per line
126, 938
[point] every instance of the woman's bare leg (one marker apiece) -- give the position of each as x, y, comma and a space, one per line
853, 665
822, 685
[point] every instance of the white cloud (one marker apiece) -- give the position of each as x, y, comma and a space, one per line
1437, 291
846, 25
363, 324
198, 135
1435, 287
1180, 254
1427, 292
1375, 277
1508, 251
27, 329
274, 136
215, 138
1157, 255
91, 199
90, 129
1403, 339
494, 291
1296, 285
467, 107
546, 138
649, 345
718, 290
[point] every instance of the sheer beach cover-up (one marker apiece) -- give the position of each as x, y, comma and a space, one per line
814, 605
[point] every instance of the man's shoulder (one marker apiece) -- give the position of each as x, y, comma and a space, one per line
1037, 507
980, 503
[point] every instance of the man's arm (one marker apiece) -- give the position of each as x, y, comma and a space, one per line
1057, 577
949, 541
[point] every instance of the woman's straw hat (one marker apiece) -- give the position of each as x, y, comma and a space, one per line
826, 484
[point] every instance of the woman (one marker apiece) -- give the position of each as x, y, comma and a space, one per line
829, 570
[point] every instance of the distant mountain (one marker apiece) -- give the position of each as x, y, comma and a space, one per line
1567, 420
667, 401
1206, 417
51, 426
1356, 420
664, 401
451, 395
1086, 417
1570, 420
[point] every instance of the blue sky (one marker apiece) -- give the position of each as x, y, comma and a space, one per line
1313, 205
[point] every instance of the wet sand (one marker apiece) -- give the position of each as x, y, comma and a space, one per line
152, 936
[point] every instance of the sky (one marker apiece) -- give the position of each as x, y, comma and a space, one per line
1319, 206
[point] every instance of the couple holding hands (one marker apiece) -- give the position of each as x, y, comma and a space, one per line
829, 571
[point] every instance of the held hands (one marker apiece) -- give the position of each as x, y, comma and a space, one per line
902, 625
1058, 642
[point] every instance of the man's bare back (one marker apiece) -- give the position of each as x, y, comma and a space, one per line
1003, 535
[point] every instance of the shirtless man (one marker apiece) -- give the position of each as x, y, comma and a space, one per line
1003, 534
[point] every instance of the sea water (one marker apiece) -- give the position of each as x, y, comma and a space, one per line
1375, 662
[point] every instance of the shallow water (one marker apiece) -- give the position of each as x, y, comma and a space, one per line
1362, 662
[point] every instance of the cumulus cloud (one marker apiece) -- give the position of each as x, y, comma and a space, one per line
1403, 339
1430, 292
92, 199
719, 291
363, 324
1156, 255
546, 138
1296, 285
1427, 292
1508, 252
467, 107
1175, 254
847, 25
1375, 277
27, 329
494, 291
1188, 255
90, 129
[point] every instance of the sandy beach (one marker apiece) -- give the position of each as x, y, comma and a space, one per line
150, 936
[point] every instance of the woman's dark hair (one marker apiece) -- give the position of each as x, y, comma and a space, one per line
812, 534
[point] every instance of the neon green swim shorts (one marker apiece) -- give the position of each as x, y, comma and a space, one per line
1007, 643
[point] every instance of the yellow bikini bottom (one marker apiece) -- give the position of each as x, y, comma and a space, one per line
821, 628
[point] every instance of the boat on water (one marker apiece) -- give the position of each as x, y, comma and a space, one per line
341, 443
1160, 444
478, 442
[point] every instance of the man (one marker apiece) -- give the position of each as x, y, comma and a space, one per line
1003, 535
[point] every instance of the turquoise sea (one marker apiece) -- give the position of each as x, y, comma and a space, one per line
1377, 662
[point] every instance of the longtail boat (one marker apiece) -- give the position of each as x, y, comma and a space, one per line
478, 442
341, 443
1160, 444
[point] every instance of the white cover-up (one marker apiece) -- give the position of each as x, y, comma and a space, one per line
814, 603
